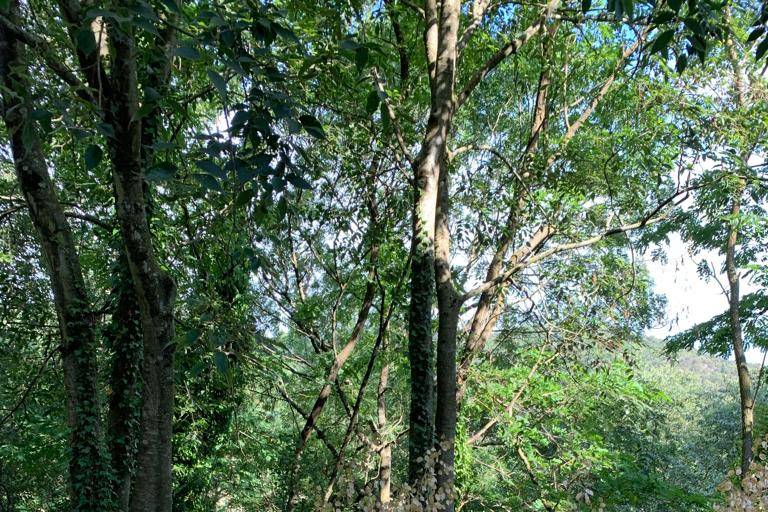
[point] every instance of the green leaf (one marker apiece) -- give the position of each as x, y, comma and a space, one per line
350, 45
207, 181
361, 58
629, 8
219, 82
86, 42
43, 117
293, 126
755, 34
312, 126
151, 95
298, 181
662, 40
385, 121
93, 155
147, 26
371, 103
244, 197
682, 63
586, 5
222, 361
693, 25
106, 130
761, 48
186, 52
171, 5
675, 4
191, 337
210, 167
145, 109
664, 17
161, 172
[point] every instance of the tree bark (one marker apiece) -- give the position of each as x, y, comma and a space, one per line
448, 318
747, 400
440, 42
155, 290
385, 453
745, 382
124, 415
88, 487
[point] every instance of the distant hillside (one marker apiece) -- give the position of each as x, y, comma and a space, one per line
701, 418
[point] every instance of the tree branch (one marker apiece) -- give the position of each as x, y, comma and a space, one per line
505, 51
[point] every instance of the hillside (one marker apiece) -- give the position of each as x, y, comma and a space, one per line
701, 415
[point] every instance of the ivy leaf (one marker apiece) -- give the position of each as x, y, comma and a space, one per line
93, 155
312, 126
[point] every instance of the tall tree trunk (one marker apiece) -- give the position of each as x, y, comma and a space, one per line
155, 290
448, 318
385, 452
745, 382
88, 487
440, 39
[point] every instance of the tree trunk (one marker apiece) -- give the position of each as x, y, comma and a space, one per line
88, 487
124, 414
385, 453
745, 382
448, 318
440, 39
155, 290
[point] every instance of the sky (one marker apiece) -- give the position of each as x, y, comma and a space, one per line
690, 299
